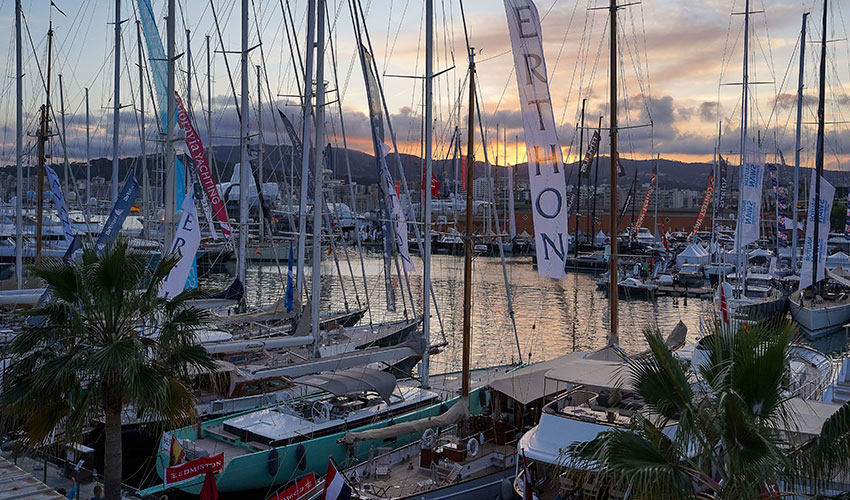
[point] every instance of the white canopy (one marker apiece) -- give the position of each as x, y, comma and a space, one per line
599, 239
838, 260
693, 254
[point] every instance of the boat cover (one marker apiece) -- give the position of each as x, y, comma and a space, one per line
457, 412
352, 381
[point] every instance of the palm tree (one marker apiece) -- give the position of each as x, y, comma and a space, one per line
106, 342
722, 422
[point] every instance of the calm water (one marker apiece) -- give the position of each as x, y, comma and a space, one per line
552, 317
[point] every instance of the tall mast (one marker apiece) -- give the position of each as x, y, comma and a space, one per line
613, 337
426, 185
260, 147
820, 153
64, 137
209, 106
42, 143
243, 149
88, 150
742, 261
318, 151
797, 145
467, 240
19, 149
170, 158
657, 192
578, 177
305, 140
146, 214
116, 101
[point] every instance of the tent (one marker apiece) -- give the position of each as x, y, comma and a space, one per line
693, 254
599, 239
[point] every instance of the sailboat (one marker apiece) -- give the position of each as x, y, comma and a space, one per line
820, 307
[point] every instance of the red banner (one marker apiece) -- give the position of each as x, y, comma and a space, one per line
645, 206
709, 191
435, 186
297, 490
196, 149
193, 468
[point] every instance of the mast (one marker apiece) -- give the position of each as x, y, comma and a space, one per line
243, 150
88, 149
260, 146
170, 158
42, 142
742, 261
592, 230
318, 150
467, 240
797, 145
116, 101
305, 140
146, 214
19, 149
657, 189
820, 153
613, 338
578, 179
429, 129
64, 138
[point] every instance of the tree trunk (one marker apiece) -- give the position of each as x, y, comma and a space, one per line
112, 453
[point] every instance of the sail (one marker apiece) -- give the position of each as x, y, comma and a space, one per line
827, 192
749, 205
545, 164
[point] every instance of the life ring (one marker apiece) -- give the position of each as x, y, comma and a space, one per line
472, 447
429, 438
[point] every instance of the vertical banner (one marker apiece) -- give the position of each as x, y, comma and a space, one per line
119, 212
59, 201
723, 184
847, 219
646, 199
749, 205
187, 239
592, 148
703, 209
205, 175
545, 164
827, 192
397, 214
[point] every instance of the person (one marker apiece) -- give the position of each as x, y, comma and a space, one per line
98, 492
70, 495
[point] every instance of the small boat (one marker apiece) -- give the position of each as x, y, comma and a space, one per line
823, 314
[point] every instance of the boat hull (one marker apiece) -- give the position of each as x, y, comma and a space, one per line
818, 321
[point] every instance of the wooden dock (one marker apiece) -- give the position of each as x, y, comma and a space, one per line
702, 292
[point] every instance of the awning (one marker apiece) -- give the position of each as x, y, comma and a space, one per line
528, 383
352, 381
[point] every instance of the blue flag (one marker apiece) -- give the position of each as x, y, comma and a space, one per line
119, 212
290, 284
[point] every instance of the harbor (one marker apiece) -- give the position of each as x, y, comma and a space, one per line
335, 250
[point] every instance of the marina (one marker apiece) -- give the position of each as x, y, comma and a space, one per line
332, 250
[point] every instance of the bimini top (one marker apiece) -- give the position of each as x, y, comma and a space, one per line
352, 381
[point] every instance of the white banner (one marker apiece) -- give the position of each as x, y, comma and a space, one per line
827, 192
59, 201
397, 216
187, 239
545, 165
749, 204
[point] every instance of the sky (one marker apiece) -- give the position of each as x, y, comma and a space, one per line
680, 71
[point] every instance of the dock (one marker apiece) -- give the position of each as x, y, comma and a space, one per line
17, 483
701, 292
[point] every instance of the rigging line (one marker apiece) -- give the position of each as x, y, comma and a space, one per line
388, 55
226, 63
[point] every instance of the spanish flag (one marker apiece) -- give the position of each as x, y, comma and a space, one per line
135, 209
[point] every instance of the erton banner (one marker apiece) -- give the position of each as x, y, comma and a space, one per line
119, 212
545, 165
646, 199
749, 211
205, 175
297, 490
827, 192
706, 199
187, 239
59, 201
193, 468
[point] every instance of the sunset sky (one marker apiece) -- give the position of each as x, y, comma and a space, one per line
674, 56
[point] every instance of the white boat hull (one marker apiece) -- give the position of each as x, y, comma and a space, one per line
819, 320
